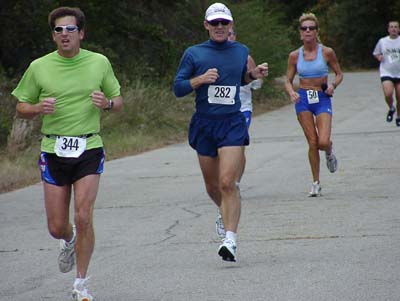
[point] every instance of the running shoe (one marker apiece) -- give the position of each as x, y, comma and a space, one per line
398, 121
389, 116
315, 189
228, 250
219, 225
66, 259
81, 291
331, 162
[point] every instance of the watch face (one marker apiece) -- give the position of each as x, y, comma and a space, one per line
110, 105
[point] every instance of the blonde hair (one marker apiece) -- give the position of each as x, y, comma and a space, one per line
310, 17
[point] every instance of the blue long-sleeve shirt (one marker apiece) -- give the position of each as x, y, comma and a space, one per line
230, 59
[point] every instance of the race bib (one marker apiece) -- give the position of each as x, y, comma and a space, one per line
223, 95
393, 57
69, 147
312, 96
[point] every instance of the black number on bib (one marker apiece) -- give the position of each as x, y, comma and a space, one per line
312, 93
222, 92
70, 143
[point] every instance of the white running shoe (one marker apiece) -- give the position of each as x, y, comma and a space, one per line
66, 259
315, 189
219, 225
331, 162
228, 250
81, 292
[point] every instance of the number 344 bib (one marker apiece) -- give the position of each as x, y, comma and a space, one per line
69, 147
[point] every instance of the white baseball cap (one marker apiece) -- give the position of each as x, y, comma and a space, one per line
218, 11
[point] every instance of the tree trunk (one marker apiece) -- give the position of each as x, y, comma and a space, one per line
22, 134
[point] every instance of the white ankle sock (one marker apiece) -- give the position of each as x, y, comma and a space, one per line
73, 236
78, 282
231, 235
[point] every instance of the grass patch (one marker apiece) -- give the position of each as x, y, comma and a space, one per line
19, 170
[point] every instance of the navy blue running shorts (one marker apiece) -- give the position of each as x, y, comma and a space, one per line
323, 106
394, 80
247, 116
208, 133
62, 171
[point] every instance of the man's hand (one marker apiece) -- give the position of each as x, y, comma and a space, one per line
210, 76
261, 71
99, 100
47, 105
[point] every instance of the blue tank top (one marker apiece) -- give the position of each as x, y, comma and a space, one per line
312, 69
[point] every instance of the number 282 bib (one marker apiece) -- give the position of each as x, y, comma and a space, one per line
223, 95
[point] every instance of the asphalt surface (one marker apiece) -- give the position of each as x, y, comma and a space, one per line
155, 226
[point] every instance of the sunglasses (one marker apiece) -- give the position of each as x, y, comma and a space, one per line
68, 28
217, 22
304, 28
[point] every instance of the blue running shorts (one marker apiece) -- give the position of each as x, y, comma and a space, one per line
62, 171
247, 116
323, 106
208, 133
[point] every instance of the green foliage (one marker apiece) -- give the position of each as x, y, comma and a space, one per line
7, 109
151, 112
366, 22
24, 33
260, 30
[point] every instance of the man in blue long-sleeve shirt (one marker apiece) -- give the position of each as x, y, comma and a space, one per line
216, 69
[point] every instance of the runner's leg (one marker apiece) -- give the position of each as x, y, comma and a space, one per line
85, 192
231, 158
210, 169
306, 120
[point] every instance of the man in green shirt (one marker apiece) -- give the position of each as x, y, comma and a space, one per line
69, 88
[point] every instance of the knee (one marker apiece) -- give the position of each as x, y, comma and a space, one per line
324, 144
212, 190
313, 144
227, 185
57, 230
83, 219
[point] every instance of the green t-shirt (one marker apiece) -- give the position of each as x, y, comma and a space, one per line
70, 81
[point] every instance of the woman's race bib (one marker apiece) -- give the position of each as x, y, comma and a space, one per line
312, 96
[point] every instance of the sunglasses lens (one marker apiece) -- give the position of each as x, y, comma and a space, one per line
304, 28
217, 22
71, 28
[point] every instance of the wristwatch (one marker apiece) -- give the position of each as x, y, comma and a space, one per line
110, 105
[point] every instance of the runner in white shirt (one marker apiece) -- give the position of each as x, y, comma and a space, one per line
245, 94
387, 52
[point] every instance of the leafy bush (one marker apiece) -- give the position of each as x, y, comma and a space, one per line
7, 109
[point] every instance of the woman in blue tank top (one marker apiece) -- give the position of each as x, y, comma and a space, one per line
313, 98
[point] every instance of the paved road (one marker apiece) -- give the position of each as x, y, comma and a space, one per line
155, 224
